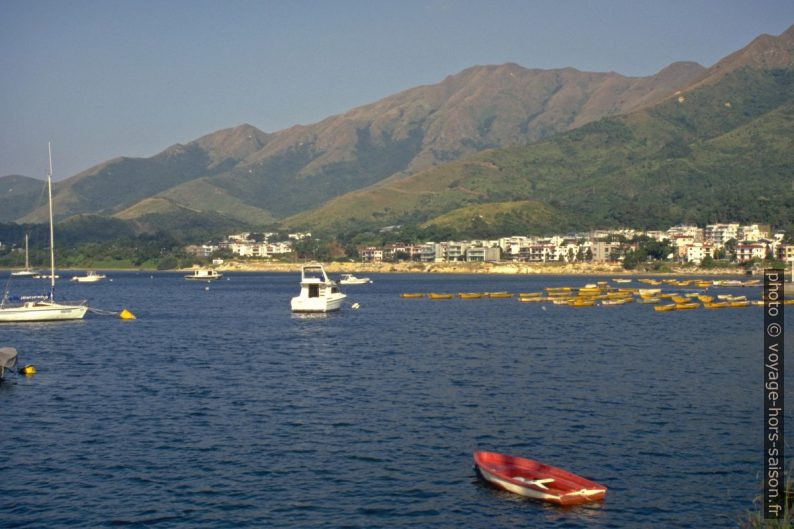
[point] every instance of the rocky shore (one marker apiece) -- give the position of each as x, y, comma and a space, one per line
593, 269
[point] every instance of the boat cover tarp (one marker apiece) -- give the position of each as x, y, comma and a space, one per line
8, 359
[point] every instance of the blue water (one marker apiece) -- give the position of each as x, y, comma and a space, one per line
219, 408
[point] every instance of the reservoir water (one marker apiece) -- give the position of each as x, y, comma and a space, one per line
217, 407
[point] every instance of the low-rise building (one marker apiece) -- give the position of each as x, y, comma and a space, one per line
788, 253
372, 255
695, 233
696, 252
433, 252
483, 253
603, 251
719, 234
456, 251
748, 251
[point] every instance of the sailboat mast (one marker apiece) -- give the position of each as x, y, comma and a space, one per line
27, 261
52, 231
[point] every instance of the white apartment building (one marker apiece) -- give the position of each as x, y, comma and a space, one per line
249, 249
696, 252
456, 251
482, 253
260, 249
432, 252
512, 245
748, 251
657, 235
751, 232
685, 231
719, 234
602, 251
372, 255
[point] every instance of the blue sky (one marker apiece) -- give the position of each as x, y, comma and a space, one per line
108, 78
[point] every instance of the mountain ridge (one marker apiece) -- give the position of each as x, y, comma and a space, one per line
245, 175
479, 107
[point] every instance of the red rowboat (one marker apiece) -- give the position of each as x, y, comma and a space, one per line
536, 480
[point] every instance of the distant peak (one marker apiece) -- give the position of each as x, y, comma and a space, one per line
788, 35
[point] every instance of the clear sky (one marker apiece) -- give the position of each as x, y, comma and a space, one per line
108, 78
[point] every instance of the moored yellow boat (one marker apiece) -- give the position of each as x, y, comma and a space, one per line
412, 295
618, 301
436, 295
686, 306
470, 295
664, 308
648, 300
534, 299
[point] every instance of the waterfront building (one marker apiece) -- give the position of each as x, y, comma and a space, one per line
482, 254
788, 253
372, 254
695, 233
747, 251
719, 234
604, 251
752, 232
432, 252
456, 251
696, 252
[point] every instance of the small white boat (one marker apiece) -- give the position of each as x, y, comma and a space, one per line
26, 272
204, 274
89, 277
318, 293
350, 279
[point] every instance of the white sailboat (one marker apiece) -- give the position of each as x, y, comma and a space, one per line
26, 272
46, 309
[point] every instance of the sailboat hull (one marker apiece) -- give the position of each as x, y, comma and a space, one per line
42, 311
48, 310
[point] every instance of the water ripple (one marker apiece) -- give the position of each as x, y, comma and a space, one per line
221, 409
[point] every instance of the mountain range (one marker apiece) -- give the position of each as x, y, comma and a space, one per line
490, 148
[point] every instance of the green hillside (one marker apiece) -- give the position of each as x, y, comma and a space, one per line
721, 152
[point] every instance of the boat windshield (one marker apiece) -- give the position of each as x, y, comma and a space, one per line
314, 272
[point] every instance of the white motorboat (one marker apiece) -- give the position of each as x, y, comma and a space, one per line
350, 279
204, 274
318, 293
89, 277
45, 308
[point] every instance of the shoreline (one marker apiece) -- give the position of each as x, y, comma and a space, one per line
504, 268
